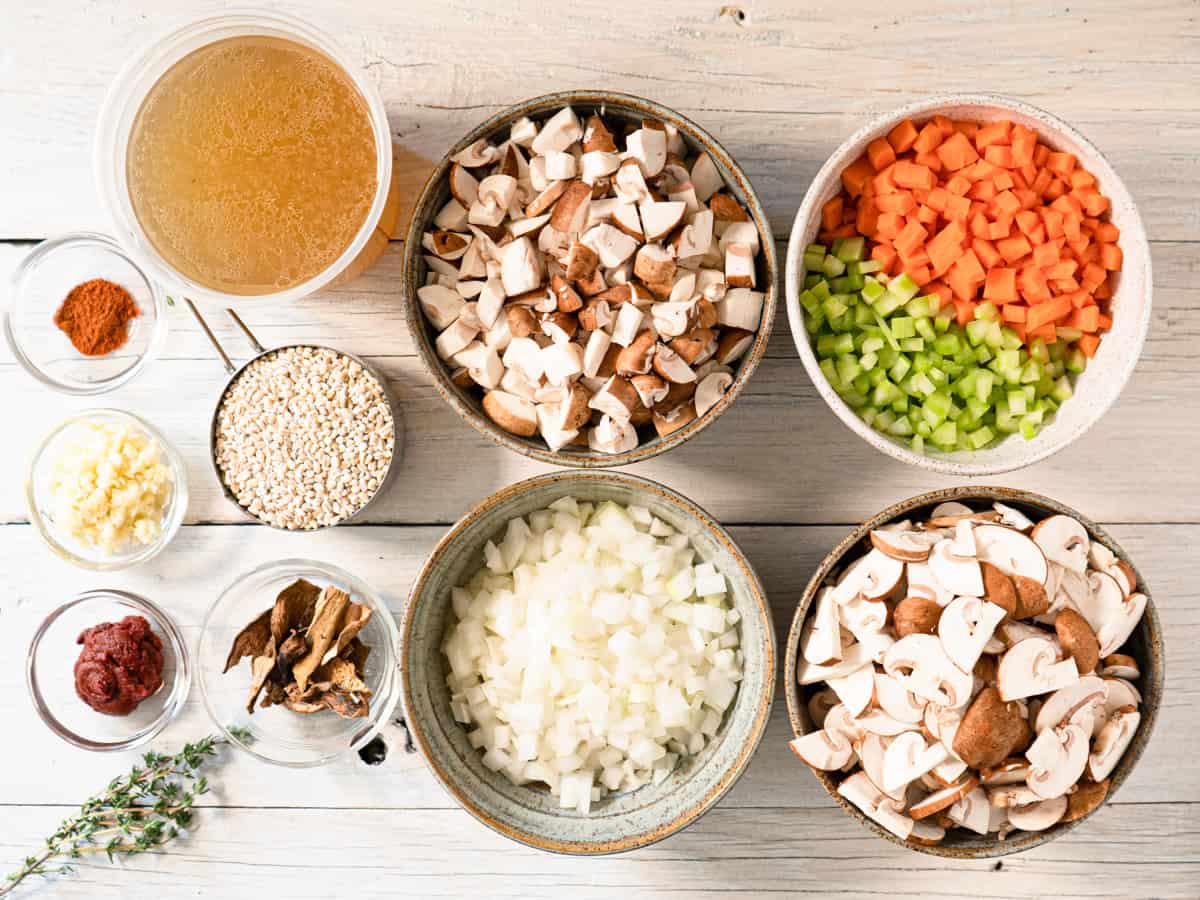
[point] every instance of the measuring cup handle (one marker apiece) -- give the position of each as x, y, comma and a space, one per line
258, 348
212, 338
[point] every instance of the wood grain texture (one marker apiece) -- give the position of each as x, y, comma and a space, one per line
781, 85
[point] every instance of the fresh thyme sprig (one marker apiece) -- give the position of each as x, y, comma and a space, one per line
134, 813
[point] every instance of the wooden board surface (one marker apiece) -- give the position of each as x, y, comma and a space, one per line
781, 85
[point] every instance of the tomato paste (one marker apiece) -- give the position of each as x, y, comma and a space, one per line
120, 665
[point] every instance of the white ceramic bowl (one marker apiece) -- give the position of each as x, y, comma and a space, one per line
1097, 388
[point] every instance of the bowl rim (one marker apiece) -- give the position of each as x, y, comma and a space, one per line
180, 687
178, 503
380, 715
36, 256
1132, 238
110, 142
535, 448
764, 702
1153, 688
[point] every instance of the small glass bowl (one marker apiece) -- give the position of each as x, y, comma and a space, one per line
276, 734
49, 672
41, 504
40, 284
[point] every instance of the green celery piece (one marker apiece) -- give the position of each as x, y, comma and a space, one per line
940, 402
918, 307
814, 261
888, 357
983, 355
848, 368
912, 344
888, 303
821, 290
872, 290
976, 332
945, 435
995, 335
863, 315
1017, 405
844, 343
916, 443
1008, 359
832, 266
925, 328
812, 280
900, 368
900, 404
1029, 429
873, 344
923, 428
814, 323
829, 370
826, 345
884, 419
902, 327
853, 398
862, 384
987, 312
946, 344
1031, 373
869, 266
985, 381
850, 249
1062, 389
886, 393
815, 248
868, 415
810, 301
1038, 351
923, 362
902, 427
936, 375
868, 361
1067, 335
1006, 422
834, 307
904, 287
1010, 340
842, 284
1076, 361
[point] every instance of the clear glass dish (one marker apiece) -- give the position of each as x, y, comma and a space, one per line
49, 673
124, 99
41, 504
276, 734
40, 284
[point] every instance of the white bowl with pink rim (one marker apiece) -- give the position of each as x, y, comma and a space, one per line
1097, 388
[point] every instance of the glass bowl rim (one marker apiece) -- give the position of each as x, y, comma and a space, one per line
175, 700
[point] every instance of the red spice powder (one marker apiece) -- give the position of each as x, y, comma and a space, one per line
95, 315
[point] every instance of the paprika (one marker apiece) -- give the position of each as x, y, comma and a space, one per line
95, 315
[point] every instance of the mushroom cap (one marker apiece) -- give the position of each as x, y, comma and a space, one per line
965, 626
959, 575
1076, 704
1064, 540
1031, 667
920, 664
1011, 552
906, 546
1058, 758
1037, 816
1111, 742
823, 750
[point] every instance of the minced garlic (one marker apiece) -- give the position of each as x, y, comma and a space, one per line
110, 487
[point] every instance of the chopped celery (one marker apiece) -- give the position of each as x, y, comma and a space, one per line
832, 266
872, 290
986, 312
849, 249
902, 327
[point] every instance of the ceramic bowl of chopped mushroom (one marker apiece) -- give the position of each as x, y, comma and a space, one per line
974, 671
297, 662
590, 278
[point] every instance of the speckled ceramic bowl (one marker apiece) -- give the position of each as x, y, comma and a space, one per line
1096, 390
1145, 645
618, 108
623, 821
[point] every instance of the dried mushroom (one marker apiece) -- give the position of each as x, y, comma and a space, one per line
305, 653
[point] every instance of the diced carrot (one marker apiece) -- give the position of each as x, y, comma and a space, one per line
1053, 221
957, 208
964, 288
880, 153
1027, 220
946, 126
979, 225
949, 238
910, 238
1078, 299
1062, 285
1106, 233
937, 199
855, 175
1012, 312
1024, 140
987, 252
928, 138
1006, 203
958, 185
901, 202
970, 129
1062, 269
1081, 178
1046, 333
1061, 164
939, 288
1003, 180
970, 266
956, 151
1085, 319
931, 161
1103, 292
999, 155
1055, 189
866, 219
883, 182
993, 133
1040, 152
912, 175
1028, 172
1045, 255
889, 224
917, 258
831, 213
1092, 275
1000, 228
926, 215
964, 311
1018, 178
983, 190
1070, 225
921, 275
1096, 204
1001, 285
884, 253
1013, 248
1041, 182
1111, 257
1050, 311
1089, 344
903, 136
1033, 285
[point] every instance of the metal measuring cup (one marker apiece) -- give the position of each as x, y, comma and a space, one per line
259, 352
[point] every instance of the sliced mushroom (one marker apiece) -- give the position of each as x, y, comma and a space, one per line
972, 811
1032, 667
741, 308
1037, 816
649, 147
823, 750
961, 576
855, 692
612, 436
710, 390
1057, 757
570, 212
440, 304
463, 186
1076, 704
514, 414
921, 666
1085, 799
906, 546
1111, 743
1119, 665
670, 366
965, 626
820, 641
1011, 552
1064, 541
943, 799
559, 132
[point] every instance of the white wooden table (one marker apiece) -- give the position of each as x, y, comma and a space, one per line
781, 85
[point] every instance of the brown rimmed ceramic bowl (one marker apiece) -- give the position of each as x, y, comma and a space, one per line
1145, 645
530, 815
617, 108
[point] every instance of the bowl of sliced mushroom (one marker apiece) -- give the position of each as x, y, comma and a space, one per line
974, 671
590, 278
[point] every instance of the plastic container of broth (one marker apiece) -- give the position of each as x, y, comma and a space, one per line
203, 220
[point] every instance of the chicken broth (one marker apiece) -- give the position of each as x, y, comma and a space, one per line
252, 164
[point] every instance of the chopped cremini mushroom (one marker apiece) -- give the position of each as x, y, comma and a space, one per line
964, 670
610, 254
